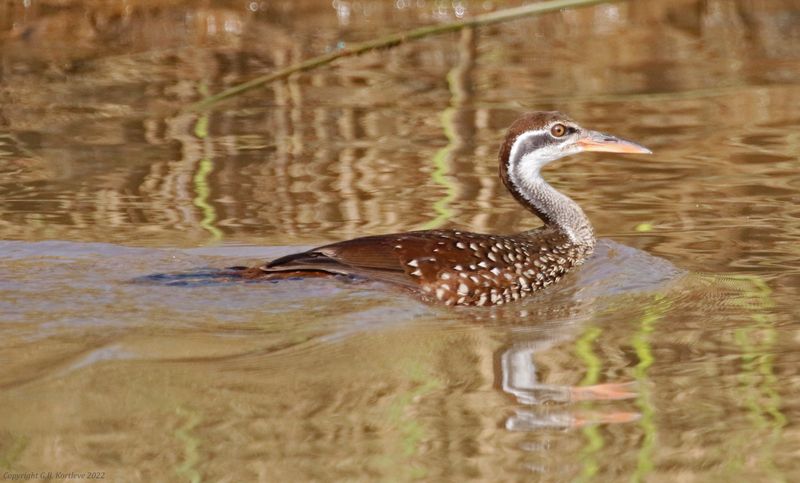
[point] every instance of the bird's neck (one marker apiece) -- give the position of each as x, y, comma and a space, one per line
555, 209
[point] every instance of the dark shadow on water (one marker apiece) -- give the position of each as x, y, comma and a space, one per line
202, 277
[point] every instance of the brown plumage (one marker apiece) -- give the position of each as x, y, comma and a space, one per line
462, 268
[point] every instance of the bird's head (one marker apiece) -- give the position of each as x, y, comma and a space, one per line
539, 138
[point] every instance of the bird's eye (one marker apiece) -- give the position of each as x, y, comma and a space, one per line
558, 130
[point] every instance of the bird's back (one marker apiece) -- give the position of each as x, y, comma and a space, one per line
452, 267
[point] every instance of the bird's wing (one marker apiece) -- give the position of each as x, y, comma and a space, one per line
402, 258
421, 259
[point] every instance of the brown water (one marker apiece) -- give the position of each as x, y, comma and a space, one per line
121, 354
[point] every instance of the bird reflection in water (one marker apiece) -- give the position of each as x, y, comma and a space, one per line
519, 379
557, 318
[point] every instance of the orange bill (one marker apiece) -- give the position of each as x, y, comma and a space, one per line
597, 141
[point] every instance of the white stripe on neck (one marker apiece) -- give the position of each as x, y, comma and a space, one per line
524, 172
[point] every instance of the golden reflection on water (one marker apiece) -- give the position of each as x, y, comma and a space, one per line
209, 381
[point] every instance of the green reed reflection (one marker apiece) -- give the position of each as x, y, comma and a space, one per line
458, 85
191, 443
584, 350
201, 185
201, 200
757, 380
439, 176
413, 431
644, 401
594, 440
11, 448
641, 345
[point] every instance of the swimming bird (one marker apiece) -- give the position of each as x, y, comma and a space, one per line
454, 267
